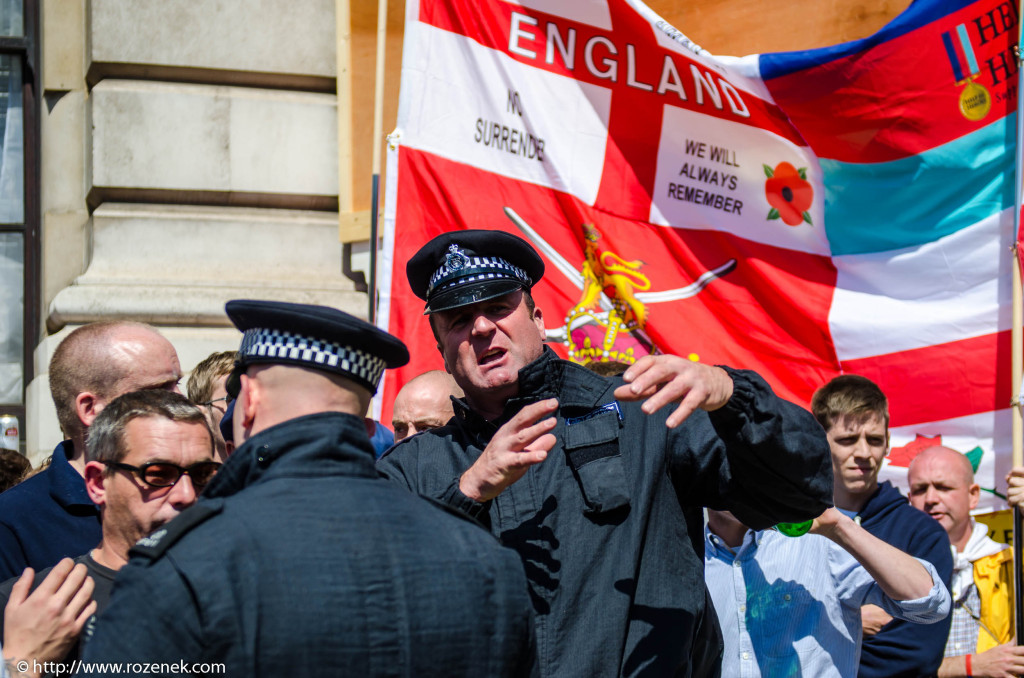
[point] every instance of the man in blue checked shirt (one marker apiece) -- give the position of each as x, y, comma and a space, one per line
791, 606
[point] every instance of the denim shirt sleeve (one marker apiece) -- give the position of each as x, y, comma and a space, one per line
928, 609
856, 587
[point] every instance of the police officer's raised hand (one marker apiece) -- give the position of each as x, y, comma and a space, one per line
664, 379
522, 442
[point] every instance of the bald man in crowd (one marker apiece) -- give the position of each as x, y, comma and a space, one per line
50, 516
981, 637
425, 402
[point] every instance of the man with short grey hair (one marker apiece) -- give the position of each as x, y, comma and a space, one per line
50, 515
149, 455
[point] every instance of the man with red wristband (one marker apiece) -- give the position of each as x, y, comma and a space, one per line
980, 641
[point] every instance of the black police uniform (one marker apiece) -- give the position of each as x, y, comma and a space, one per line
299, 560
610, 525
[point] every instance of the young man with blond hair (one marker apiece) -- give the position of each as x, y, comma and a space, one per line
855, 415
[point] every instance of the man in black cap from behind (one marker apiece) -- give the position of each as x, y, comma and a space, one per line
598, 482
299, 560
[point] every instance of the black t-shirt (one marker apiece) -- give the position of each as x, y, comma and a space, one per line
102, 577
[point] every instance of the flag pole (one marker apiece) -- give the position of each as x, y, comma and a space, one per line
1017, 336
378, 133
1017, 425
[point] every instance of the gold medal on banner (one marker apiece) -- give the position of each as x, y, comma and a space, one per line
975, 101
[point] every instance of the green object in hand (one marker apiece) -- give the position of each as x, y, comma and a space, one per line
794, 529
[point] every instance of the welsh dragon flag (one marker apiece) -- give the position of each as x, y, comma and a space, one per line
806, 214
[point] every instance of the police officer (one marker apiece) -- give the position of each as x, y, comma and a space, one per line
597, 482
299, 560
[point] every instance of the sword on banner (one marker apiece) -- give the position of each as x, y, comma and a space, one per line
576, 278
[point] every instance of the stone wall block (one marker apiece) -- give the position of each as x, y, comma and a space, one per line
155, 135
274, 36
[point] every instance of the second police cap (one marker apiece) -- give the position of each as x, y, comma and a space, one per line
316, 337
459, 268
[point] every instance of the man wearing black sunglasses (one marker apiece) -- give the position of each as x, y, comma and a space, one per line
147, 461
50, 516
149, 454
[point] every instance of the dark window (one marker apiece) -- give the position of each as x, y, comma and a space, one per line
19, 201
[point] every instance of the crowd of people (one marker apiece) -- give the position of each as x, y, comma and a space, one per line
528, 517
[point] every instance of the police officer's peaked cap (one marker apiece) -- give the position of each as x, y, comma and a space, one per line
463, 267
317, 337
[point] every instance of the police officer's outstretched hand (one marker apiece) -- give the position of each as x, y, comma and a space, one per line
523, 441
664, 379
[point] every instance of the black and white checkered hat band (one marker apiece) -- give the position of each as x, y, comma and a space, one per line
475, 270
265, 343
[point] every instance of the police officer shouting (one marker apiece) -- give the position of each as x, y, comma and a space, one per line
299, 560
598, 483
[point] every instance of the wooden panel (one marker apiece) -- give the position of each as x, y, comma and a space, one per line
740, 27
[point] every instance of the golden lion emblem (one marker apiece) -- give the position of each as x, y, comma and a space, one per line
602, 270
